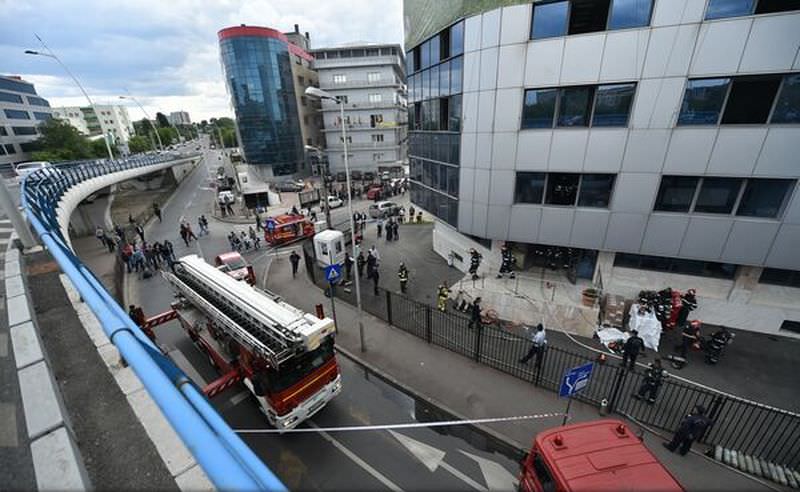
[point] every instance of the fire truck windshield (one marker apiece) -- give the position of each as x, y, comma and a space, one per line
298, 368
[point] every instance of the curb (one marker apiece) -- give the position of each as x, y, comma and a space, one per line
57, 461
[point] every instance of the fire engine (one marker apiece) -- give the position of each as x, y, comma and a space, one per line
602, 455
284, 356
287, 228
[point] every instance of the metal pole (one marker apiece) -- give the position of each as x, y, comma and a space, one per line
147, 116
333, 294
16, 218
566, 412
352, 226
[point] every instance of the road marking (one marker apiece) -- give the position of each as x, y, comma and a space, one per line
495, 475
472, 483
357, 460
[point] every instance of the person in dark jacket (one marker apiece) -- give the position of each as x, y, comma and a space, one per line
691, 428
360, 262
402, 273
348, 266
474, 263
688, 304
630, 351
294, 259
653, 378
375, 278
475, 313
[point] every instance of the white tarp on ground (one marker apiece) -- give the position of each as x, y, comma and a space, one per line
647, 325
608, 335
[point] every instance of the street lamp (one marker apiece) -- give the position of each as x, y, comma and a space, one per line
320, 94
50, 54
147, 116
324, 199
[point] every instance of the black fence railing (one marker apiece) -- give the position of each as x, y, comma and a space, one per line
749, 427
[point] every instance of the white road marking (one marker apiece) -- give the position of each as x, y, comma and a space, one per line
357, 460
495, 475
472, 483
239, 397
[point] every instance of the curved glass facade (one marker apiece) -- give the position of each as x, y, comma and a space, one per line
258, 74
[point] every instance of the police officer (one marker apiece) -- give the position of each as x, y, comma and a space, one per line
403, 275
441, 297
692, 427
653, 377
507, 262
630, 351
474, 263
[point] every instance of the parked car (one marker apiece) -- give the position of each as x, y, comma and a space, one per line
374, 192
289, 186
369, 176
237, 267
383, 209
334, 202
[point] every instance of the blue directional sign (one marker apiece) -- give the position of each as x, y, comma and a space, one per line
270, 225
333, 273
575, 380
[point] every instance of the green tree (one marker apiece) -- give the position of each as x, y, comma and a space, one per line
168, 136
60, 141
98, 148
139, 144
162, 121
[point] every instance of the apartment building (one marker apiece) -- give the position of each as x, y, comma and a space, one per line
21, 111
102, 119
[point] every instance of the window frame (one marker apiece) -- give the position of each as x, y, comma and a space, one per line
753, 11
595, 88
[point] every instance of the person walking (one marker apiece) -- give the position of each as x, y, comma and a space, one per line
360, 262
653, 377
372, 263
189, 232
140, 231
379, 226
411, 211
395, 233
442, 293
229, 205
166, 254
375, 278
691, 428
127, 256
100, 234
689, 336
402, 273
630, 350
538, 346
507, 261
475, 313
254, 238
294, 259
184, 234
475, 259
157, 211
167, 244
348, 267
258, 221
390, 229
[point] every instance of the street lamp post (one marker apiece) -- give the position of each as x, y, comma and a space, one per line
147, 116
319, 93
50, 54
324, 199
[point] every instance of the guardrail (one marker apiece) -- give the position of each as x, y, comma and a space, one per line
226, 459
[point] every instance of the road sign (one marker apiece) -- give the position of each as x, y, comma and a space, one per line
270, 225
575, 380
333, 273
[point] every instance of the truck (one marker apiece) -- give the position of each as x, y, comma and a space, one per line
600, 455
283, 355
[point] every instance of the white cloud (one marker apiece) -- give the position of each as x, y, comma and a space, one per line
166, 53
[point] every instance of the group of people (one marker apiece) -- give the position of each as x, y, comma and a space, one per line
245, 240
225, 203
391, 226
143, 257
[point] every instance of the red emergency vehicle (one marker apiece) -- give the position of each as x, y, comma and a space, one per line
287, 228
283, 355
602, 455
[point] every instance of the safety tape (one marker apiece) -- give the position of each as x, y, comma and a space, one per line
408, 425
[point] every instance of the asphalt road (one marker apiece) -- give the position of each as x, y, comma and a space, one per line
407, 459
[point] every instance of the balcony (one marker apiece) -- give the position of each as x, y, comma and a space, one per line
338, 147
387, 125
354, 84
329, 106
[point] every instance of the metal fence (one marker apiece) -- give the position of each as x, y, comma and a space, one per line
758, 430
226, 459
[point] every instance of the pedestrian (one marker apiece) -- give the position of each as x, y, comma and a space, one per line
136, 315
374, 252
232, 240
402, 273
157, 211
255, 238
140, 231
201, 225
372, 263
653, 377
419, 218
691, 428
148, 257
395, 227
229, 205
258, 221
630, 351
401, 214
167, 256
442, 293
475, 313
294, 259
189, 232
127, 256
119, 231
348, 266
379, 226
360, 262
109, 243
100, 234
389, 230
138, 259
689, 336
507, 261
538, 346
375, 277
167, 245
475, 259
688, 304
184, 234
411, 211
221, 203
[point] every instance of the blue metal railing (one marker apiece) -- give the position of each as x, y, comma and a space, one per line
226, 459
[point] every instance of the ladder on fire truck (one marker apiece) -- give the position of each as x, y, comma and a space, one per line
268, 327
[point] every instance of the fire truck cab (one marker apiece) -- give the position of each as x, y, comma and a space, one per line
602, 455
283, 355
287, 228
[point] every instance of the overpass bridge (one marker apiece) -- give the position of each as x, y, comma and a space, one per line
48, 198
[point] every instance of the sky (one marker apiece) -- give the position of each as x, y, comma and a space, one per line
165, 53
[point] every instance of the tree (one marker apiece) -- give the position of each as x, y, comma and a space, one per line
162, 121
60, 141
139, 144
98, 148
167, 135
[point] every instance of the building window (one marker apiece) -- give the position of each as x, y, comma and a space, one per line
373, 77
377, 137
719, 9
375, 98
552, 19
595, 190
612, 105
15, 114
41, 116
23, 130
718, 195
562, 188
676, 265
342, 99
787, 109
776, 276
604, 105
575, 105
587, 16
340, 79
349, 139
12, 98
454, 110
529, 188
765, 197
549, 20
702, 101
676, 193
3, 132
750, 100
457, 39
377, 157
539, 108
16, 86
10, 149
375, 120
630, 13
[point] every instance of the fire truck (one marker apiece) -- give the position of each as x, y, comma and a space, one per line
602, 455
287, 228
284, 356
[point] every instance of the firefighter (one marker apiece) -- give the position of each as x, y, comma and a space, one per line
474, 263
402, 273
653, 377
689, 336
630, 351
688, 304
507, 262
441, 296
692, 427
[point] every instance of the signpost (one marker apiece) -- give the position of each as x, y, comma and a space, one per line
333, 273
574, 381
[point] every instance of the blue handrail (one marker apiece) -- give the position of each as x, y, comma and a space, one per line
226, 459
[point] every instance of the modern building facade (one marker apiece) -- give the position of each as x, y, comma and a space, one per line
179, 118
21, 111
370, 79
112, 119
259, 69
652, 143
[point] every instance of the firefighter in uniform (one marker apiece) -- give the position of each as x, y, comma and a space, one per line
692, 427
442, 295
688, 304
507, 262
474, 263
403, 275
653, 377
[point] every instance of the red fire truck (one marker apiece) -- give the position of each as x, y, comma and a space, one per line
283, 355
602, 455
287, 228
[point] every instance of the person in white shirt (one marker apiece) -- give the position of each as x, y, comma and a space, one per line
538, 346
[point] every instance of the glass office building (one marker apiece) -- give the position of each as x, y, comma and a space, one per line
258, 74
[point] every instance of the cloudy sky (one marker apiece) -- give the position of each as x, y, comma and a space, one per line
165, 52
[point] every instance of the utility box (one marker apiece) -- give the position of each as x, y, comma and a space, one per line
329, 247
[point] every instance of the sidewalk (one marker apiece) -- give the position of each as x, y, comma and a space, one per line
470, 390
